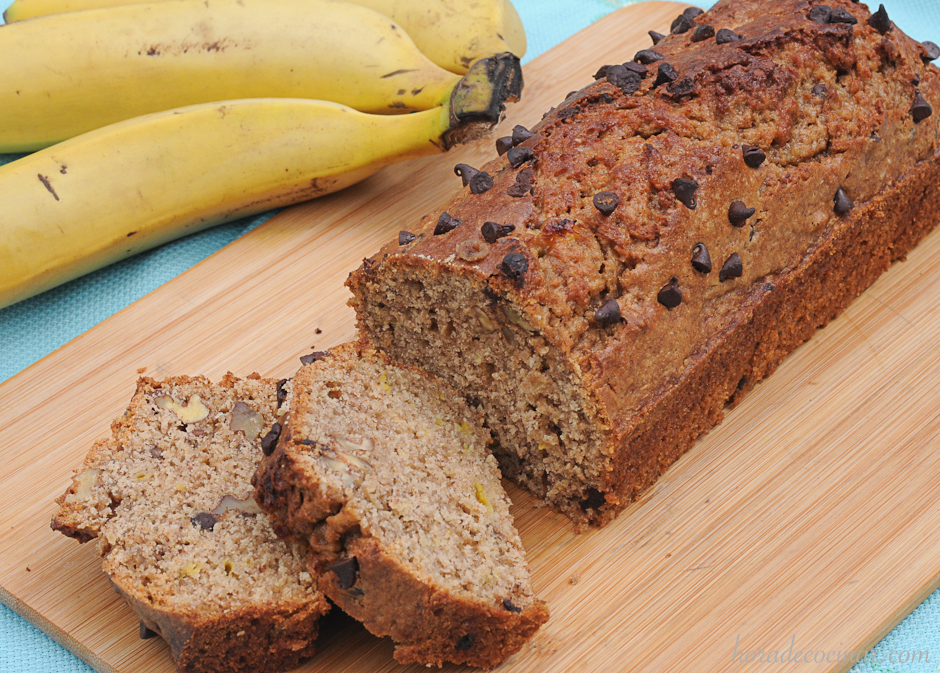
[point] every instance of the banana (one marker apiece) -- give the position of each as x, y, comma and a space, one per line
451, 33
67, 74
114, 192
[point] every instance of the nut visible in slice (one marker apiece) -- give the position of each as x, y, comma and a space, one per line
193, 411
81, 487
246, 506
247, 420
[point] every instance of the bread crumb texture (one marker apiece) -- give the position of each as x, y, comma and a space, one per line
386, 472
169, 498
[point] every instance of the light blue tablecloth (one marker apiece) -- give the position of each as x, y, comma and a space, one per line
33, 328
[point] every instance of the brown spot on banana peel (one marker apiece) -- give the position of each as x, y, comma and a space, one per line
48, 185
479, 98
396, 72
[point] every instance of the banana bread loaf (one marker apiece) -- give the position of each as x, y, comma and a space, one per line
387, 474
659, 243
170, 500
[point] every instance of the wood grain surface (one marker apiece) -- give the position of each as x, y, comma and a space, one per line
806, 522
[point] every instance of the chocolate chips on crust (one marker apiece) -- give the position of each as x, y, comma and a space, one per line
514, 266
685, 191
732, 268
492, 231
446, 223
931, 51
753, 156
703, 33
519, 155
670, 295
608, 313
606, 202
479, 181
647, 56
726, 35
880, 21
738, 213
921, 109
701, 260
841, 202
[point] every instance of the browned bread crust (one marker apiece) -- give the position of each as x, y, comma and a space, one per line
392, 595
605, 396
224, 593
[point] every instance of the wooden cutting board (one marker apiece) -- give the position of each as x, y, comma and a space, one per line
807, 521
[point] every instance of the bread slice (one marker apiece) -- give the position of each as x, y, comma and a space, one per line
386, 473
168, 496
659, 243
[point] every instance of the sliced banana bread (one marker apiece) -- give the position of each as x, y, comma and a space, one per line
660, 242
387, 474
169, 498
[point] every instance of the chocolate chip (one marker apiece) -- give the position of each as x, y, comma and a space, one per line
625, 79
638, 68
492, 232
481, 182
315, 356
601, 72
593, 500
503, 144
732, 268
509, 606
840, 15
570, 94
841, 202
519, 155
692, 12
446, 223
820, 14
514, 266
703, 33
657, 37
204, 520
681, 25
931, 51
753, 156
606, 202
466, 642
269, 441
820, 90
880, 21
146, 633
921, 109
520, 134
465, 171
701, 260
726, 35
738, 213
523, 185
670, 295
281, 391
346, 571
685, 191
666, 73
405, 237
608, 313
647, 56
683, 87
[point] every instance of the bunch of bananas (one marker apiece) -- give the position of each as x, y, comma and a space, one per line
157, 119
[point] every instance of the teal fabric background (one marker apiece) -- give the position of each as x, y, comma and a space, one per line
33, 328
